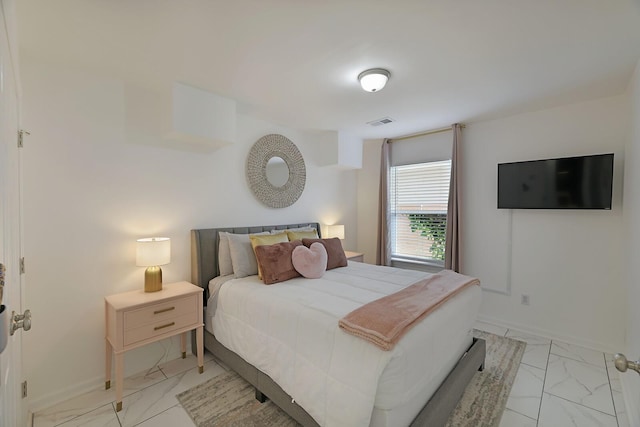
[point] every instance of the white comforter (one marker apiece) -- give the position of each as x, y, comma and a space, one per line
290, 331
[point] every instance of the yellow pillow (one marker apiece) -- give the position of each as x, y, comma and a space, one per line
299, 235
266, 239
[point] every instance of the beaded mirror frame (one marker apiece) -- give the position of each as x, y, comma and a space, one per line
266, 148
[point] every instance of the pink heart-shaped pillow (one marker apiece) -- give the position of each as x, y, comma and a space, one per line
311, 262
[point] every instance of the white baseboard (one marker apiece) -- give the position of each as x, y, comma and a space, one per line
594, 345
165, 351
59, 396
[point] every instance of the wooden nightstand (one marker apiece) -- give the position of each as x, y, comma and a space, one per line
136, 318
354, 256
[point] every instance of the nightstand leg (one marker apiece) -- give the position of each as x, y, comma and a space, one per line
200, 349
108, 355
183, 344
119, 380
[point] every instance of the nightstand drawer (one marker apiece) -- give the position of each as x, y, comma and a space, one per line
151, 330
166, 310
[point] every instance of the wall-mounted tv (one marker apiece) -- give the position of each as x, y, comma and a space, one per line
583, 182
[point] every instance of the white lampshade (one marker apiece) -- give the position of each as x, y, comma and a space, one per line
153, 251
373, 80
335, 231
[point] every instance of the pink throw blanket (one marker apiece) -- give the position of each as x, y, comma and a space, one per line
384, 321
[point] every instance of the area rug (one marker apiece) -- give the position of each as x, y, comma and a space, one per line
485, 397
229, 401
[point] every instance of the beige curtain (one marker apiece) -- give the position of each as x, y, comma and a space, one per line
453, 245
383, 250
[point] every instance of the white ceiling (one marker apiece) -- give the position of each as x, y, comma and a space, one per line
295, 62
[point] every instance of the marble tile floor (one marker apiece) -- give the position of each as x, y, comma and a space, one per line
558, 384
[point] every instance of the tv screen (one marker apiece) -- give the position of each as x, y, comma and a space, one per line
566, 183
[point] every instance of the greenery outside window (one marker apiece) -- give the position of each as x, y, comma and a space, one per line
419, 195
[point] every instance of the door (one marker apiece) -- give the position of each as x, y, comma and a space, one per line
12, 407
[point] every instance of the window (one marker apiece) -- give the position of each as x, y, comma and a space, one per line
418, 197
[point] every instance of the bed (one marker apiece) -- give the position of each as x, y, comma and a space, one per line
418, 383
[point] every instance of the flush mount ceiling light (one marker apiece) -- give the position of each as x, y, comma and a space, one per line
374, 79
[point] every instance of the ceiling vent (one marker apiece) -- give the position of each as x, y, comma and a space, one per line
380, 122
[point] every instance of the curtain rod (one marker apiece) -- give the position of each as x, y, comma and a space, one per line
429, 132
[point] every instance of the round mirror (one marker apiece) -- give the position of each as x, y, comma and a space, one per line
277, 171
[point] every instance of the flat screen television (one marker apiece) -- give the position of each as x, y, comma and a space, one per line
583, 182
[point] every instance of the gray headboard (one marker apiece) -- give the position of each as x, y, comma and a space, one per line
204, 249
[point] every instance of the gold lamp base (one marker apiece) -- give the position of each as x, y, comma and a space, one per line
153, 279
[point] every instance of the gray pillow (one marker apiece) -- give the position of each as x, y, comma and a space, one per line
243, 259
224, 255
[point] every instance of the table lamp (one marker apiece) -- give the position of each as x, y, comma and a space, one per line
152, 252
335, 231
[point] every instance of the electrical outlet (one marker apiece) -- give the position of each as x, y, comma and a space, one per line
524, 300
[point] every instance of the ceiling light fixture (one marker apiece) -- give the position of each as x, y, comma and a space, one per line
374, 79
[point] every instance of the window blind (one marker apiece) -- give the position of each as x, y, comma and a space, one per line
419, 196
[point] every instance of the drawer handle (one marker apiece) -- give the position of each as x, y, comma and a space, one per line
164, 326
164, 310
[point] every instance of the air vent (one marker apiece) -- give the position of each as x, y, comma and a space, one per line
382, 121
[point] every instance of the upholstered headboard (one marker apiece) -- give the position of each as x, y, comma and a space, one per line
204, 249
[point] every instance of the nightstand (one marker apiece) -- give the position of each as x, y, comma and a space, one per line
137, 318
354, 256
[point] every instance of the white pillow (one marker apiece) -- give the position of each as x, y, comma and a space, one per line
224, 255
243, 259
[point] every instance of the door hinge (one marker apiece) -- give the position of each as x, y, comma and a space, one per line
24, 389
21, 134
22, 265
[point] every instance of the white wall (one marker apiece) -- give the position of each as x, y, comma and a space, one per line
630, 380
90, 190
568, 262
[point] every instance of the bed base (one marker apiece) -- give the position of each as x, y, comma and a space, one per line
435, 413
